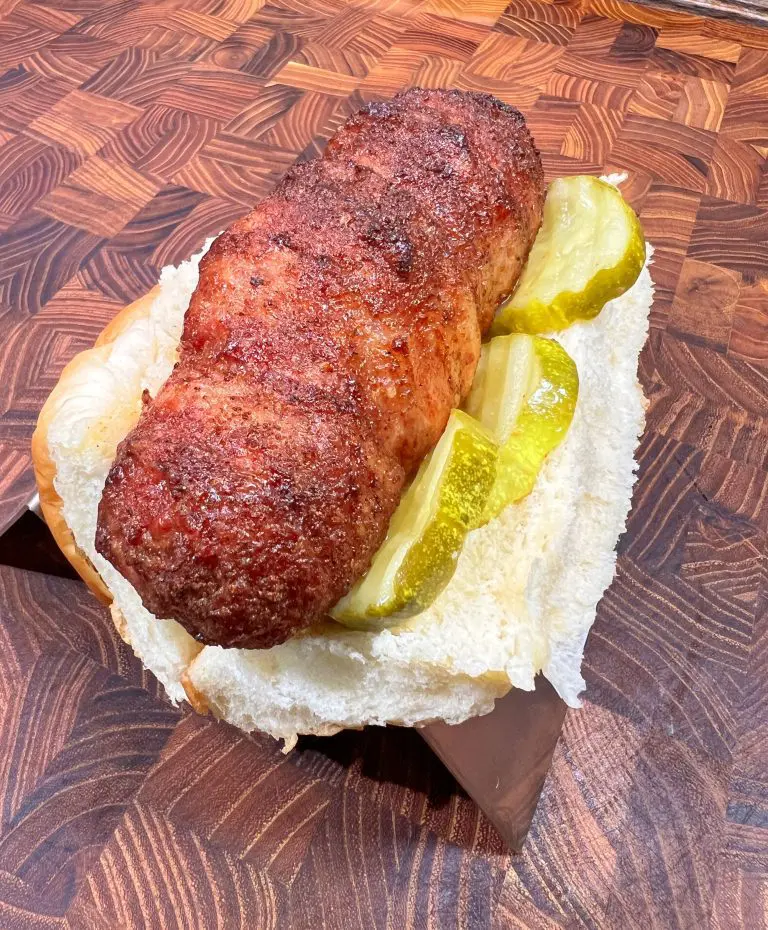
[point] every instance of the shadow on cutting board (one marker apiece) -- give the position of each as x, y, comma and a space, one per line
499, 761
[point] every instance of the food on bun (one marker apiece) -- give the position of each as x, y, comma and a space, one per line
321, 477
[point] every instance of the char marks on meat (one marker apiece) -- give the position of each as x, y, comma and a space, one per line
331, 332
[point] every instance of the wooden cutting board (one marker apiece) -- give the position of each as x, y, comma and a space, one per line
128, 133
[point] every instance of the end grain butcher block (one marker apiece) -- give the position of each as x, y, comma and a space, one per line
129, 133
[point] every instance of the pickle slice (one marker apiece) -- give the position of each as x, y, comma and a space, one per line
417, 559
590, 249
525, 393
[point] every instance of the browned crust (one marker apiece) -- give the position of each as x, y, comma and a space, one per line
45, 468
119, 621
195, 697
330, 334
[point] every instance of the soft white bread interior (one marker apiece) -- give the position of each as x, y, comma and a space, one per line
526, 585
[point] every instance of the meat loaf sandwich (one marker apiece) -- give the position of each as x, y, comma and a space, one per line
366, 457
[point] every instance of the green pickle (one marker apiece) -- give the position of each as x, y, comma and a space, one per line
589, 250
446, 499
519, 409
525, 393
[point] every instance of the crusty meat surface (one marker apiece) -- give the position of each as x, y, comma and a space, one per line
330, 334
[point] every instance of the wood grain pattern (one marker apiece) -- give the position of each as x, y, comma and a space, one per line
129, 133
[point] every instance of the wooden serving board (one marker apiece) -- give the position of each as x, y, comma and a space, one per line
131, 131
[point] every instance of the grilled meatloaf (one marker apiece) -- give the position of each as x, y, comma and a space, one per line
331, 332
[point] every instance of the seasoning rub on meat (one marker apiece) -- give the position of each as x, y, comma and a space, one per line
330, 334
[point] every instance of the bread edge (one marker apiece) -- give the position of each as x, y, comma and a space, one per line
44, 467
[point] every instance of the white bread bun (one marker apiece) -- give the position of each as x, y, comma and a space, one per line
526, 585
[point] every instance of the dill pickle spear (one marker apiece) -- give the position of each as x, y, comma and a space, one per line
589, 250
525, 392
417, 559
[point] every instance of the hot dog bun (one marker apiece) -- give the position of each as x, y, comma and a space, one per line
522, 599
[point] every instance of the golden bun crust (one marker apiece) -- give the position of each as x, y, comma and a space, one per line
194, 695
45, 469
